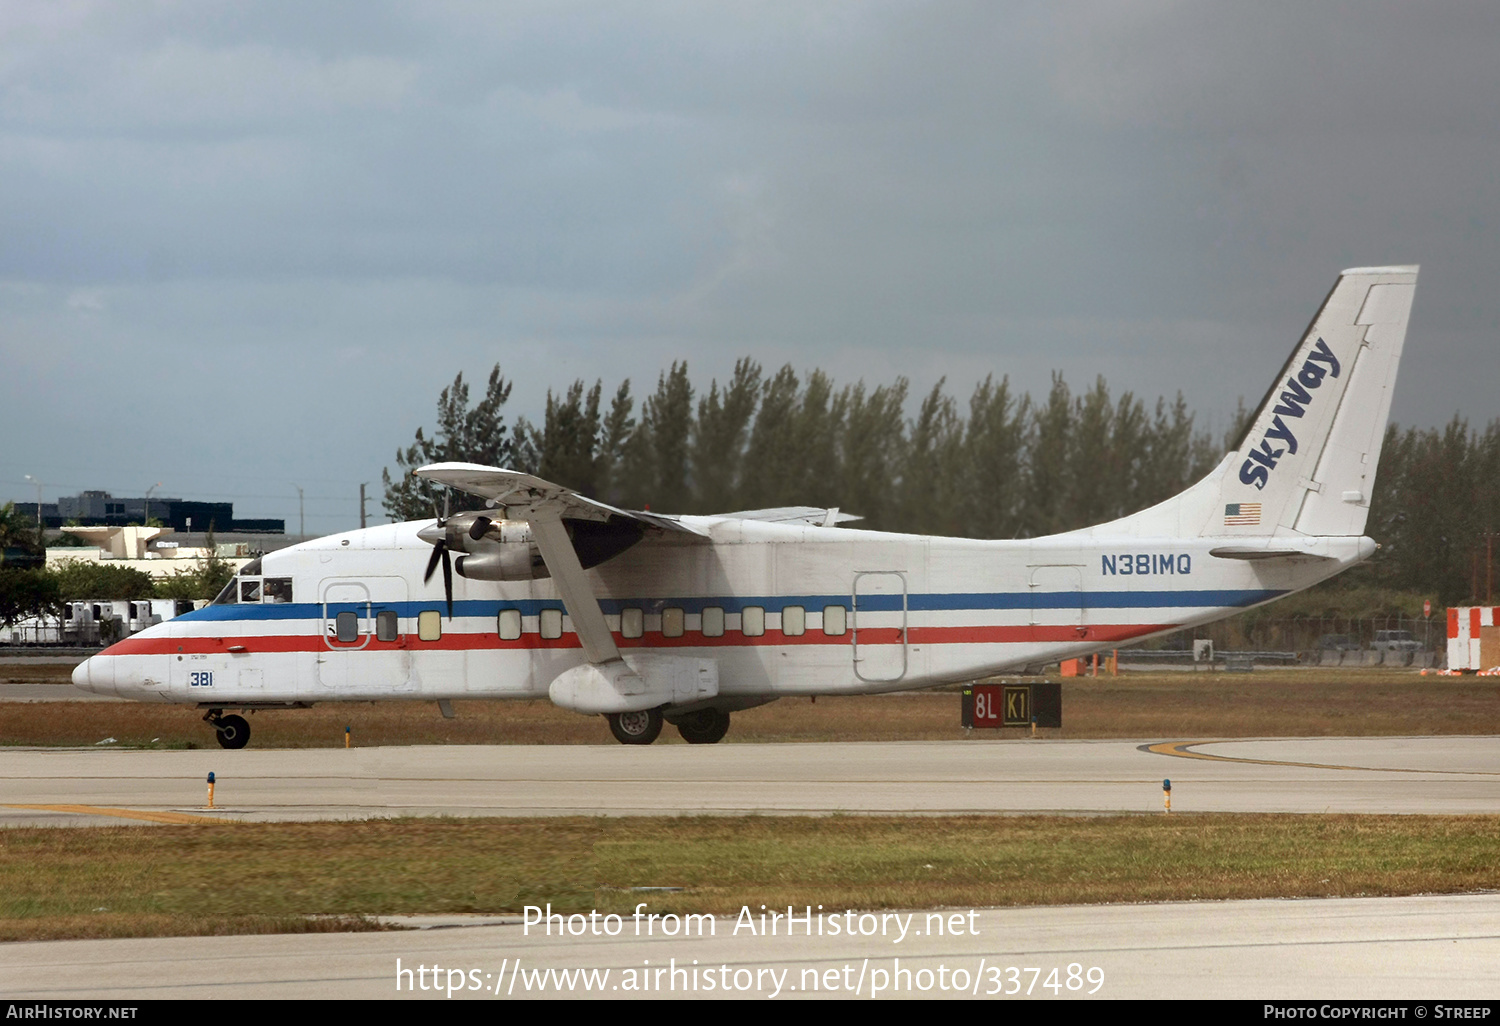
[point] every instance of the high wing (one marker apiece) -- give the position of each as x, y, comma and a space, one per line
606, 683
524, 495
813, 516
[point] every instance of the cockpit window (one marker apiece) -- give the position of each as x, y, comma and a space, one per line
230, 595
251, 569
278, 589
250, 590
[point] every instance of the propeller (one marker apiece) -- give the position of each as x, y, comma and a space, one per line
440, 552
439, 540
451, 533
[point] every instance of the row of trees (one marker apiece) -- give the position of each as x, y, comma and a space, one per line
27, 590
1002, 465
999, 466
41, 591
1436, 512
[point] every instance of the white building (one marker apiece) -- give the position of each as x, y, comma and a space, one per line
143, 548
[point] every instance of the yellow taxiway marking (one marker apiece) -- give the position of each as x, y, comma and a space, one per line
1182, 750
178, 818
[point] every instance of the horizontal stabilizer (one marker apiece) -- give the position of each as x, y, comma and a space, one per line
1237, 553
815, 516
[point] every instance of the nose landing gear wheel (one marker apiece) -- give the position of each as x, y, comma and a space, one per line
705, 727
635, 728
233, 731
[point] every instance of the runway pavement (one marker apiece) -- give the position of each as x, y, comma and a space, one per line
50, 693
1372, 775
1398, 948
1425, 947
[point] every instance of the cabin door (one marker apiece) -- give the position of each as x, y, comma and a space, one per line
879, 626
364, 635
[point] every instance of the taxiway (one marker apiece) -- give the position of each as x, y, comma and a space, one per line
1447, 775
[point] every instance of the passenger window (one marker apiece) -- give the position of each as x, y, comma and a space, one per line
671, 622
753, 621
429, 625
551, 623
508, 624
387, 626
793, 621
346, 626
632, 623
250, 590
278, 589
713, 621
833, 620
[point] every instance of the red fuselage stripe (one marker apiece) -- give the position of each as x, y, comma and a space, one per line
986, 635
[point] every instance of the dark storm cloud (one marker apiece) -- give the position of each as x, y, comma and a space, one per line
328, 210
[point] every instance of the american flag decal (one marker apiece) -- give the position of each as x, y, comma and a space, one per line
1241, 514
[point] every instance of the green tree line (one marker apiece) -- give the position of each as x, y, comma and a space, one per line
1001, 464
42, 591
1436, 512
27, 591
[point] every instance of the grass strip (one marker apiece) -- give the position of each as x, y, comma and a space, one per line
252, 878
1285, 703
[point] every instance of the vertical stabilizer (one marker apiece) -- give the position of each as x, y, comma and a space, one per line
1307, 463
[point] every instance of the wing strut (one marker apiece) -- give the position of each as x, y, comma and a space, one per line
606, 683
567, 573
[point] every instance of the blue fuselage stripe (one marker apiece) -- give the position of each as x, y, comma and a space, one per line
980, 601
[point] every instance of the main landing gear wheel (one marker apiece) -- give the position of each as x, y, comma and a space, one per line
233, 731
635, 728
705, 727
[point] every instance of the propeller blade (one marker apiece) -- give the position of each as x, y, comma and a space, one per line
448, 581
438, 551
480, 525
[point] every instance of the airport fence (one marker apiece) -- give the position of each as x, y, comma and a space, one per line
1311, 636
30, 633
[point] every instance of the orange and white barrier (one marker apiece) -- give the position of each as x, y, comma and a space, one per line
1474, 639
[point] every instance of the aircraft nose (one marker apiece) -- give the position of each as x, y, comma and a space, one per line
96, 674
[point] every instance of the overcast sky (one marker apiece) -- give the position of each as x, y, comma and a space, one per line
244, 246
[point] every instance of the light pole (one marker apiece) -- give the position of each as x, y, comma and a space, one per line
146, 516
38, 505
301, 519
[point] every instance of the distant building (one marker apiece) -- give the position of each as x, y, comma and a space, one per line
148, 548
101, 509
17, 558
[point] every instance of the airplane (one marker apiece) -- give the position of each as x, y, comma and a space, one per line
645, 618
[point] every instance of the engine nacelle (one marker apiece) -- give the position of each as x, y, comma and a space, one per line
506, 552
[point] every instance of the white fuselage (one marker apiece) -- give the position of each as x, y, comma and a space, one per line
782, 609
